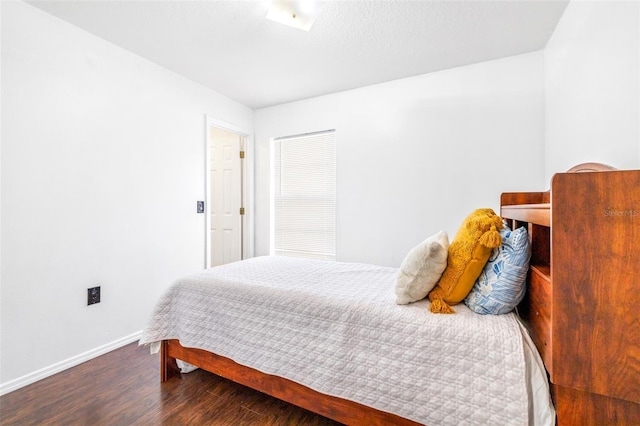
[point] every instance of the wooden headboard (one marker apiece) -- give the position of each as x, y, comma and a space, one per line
583, 296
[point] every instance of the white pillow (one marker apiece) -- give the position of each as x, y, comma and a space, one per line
422, 268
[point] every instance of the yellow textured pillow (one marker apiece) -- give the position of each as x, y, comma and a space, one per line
468, 253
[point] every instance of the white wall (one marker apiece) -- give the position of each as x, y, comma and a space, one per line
0, 196
102, 164
417, 155
592, 78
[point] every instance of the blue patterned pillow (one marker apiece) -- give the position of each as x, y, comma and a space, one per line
502, 283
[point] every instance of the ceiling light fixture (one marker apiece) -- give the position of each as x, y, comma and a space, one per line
299, 14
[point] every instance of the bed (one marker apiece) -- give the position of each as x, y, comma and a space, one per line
329, 337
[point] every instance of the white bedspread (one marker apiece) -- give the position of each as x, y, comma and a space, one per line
335, 328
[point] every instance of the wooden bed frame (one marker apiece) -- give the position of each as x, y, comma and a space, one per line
342, 410
582, 306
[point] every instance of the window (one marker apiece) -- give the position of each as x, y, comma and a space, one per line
304, 196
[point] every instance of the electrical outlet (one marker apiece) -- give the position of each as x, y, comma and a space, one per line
200, 207
93, 295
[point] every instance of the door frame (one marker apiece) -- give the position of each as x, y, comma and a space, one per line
246, 220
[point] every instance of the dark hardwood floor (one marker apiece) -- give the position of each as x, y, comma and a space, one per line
123, 388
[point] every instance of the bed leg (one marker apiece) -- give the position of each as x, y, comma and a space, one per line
168, 365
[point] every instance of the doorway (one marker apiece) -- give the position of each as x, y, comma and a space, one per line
225, 188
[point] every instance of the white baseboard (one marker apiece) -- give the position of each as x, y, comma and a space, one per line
27, 379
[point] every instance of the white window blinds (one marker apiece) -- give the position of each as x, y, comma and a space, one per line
304, 196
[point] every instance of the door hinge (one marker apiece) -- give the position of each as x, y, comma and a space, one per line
241, 211
241, 154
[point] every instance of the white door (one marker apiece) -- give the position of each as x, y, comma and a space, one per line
225, 197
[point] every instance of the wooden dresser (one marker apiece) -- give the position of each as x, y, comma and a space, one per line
583, 297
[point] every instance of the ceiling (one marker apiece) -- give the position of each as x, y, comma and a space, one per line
231, 48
